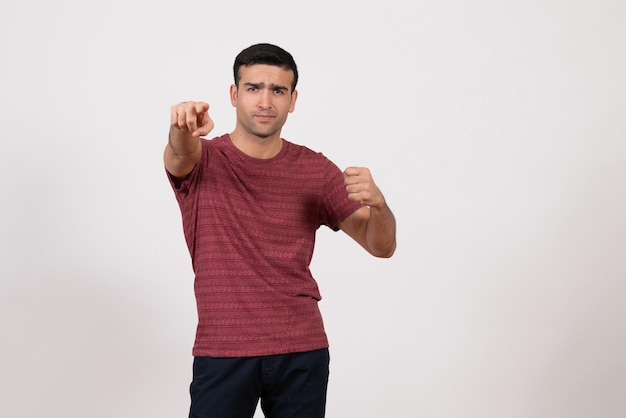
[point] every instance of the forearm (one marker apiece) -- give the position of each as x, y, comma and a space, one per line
182, 143
380, 231
182, 152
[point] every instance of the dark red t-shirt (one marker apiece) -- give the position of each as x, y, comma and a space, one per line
250, 227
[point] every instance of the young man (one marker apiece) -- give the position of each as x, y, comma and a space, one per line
251, 203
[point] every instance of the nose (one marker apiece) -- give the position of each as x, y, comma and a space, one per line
265, 99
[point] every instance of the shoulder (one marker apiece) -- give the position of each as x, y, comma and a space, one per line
214, 143
305, 155
214, 147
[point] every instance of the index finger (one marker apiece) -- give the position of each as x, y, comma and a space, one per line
349, 171
353, 171
201, 107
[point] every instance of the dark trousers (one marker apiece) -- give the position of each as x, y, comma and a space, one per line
288, 385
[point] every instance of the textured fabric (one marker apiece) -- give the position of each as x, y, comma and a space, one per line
289, 385
250, 227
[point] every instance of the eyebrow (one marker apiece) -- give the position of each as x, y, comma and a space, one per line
262, 85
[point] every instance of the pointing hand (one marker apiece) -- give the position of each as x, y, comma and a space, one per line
192, 117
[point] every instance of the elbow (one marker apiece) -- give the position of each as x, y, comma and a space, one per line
385, 253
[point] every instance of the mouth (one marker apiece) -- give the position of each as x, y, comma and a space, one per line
263, 117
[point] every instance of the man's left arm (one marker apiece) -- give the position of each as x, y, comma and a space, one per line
373, 226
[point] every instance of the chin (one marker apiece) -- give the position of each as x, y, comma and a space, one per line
264, 133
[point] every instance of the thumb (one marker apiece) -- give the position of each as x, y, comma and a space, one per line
206, 127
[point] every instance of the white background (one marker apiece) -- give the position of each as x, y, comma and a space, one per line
496, 130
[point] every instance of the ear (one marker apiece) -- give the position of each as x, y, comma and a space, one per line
294, 97
233, 95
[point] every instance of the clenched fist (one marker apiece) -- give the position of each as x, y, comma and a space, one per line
192, 117
361, 187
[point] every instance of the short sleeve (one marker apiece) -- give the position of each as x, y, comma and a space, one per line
336, 206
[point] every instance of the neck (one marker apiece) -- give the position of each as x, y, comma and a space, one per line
257, 147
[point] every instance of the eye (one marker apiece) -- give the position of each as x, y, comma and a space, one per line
278, 91
252, 88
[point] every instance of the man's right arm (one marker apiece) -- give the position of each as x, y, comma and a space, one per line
189, 121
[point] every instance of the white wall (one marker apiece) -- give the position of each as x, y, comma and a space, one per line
497, 131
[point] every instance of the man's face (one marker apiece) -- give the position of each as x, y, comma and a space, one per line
263, 99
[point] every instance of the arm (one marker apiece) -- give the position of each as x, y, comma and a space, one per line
188, 121
373, 226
